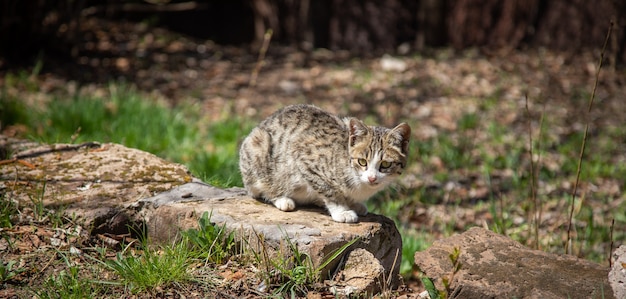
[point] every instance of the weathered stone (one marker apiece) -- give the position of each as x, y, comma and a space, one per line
494, 266
362, 274
617, 275
311, 229
91, 182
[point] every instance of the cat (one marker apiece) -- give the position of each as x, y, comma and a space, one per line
304, 155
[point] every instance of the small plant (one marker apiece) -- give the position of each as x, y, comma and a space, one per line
153, 268
295, 272
68, 283
8, 208
302, 273
292, 273
210, 242
583, 145
433, 292
8, 271
456, 266
411, 243
39, 211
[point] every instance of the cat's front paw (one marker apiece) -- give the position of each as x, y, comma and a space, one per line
284, 204
347, 216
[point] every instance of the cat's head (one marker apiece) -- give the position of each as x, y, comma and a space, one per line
377, 154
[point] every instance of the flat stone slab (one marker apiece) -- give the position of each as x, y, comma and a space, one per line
311, 229
494, 266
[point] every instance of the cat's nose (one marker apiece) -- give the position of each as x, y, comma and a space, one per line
372, 179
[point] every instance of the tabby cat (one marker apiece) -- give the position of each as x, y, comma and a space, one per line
303, 155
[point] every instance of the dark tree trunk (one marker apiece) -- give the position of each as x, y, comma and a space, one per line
363, 26
490, 23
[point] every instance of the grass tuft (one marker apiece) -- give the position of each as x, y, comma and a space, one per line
152, 268
209, 242
68, 283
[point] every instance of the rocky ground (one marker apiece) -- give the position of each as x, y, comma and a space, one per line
432, 90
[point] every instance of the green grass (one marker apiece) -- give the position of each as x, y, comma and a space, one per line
69, 283
210, 243
131, 119
291, 273
8, 208
153, 267
9, 270
412, 242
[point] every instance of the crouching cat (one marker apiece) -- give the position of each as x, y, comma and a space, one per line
303, 155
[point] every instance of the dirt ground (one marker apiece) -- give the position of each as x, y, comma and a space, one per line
433, 90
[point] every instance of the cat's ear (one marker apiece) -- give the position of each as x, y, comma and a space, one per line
404, 131
357, 129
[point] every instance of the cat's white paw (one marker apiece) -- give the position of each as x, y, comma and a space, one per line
285, 204
347, 216
359, 208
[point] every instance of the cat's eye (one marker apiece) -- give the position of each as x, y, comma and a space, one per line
362, 162
385, 164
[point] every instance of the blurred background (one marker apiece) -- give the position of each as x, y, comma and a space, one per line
498, 93
361, 27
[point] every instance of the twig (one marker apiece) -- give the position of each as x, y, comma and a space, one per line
261, 60
58, 148
538, 164
582, 147
533, 176
612, 243
141, 7
15, 160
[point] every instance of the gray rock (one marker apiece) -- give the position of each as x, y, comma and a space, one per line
311, 229
92, 182
494, 266
362, 274
617, 275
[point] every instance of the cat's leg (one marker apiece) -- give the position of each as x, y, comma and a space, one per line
284, 203
254, 167
341, 213
359, 208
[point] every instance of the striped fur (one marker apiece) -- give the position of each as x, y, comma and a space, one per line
303, 155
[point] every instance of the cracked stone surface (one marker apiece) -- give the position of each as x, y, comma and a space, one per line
494, 266
311, 229
617, 275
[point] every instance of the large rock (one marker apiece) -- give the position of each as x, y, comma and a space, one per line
617, 275
91, 182
494, 266
310, 229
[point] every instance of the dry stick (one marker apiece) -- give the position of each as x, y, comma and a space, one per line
533, 177
582, 148
261, 60
611, 247
538, 167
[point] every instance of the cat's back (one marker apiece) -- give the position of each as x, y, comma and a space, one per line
289, 147
305, 125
